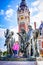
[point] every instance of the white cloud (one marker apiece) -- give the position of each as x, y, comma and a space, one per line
9, 6
1, 26
33, 9
2, 32
36, 6
35, 19
2, 39
1, 12
36, 3
9, 14
17, 6
40, 7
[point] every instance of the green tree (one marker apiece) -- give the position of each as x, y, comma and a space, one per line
0, 53
4, 53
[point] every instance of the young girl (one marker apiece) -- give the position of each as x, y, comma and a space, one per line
16, 48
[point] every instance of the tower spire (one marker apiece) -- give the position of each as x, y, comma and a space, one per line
23, 0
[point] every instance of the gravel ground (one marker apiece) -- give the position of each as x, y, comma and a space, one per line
18, 63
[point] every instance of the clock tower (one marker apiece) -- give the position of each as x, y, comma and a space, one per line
23, 16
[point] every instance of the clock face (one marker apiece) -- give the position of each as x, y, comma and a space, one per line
21, 17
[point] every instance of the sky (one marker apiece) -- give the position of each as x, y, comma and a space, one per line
8, 16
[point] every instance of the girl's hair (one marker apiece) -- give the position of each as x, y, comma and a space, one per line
16, 42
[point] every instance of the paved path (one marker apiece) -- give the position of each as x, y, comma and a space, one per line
17, 63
